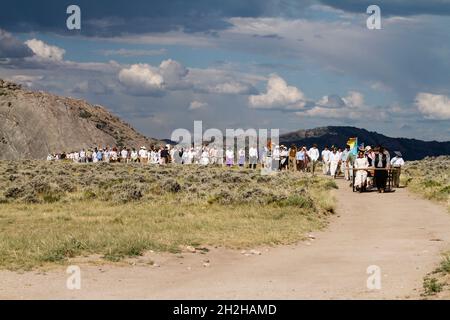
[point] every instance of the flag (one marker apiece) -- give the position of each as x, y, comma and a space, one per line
353, 143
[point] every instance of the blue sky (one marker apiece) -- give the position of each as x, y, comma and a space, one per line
283, 64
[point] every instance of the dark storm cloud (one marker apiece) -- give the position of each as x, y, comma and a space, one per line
10, 47
108, 18
394, 7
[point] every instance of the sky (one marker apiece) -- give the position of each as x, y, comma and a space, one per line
286, 64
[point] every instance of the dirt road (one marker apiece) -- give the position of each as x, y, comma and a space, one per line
398, 232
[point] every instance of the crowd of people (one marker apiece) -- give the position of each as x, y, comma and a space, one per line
368, 167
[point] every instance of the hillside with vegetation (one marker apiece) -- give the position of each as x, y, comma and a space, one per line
35, 123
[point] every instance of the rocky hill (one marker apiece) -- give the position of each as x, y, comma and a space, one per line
412, 149
32, 124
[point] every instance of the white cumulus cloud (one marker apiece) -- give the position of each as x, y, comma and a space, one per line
141, 79
45, 51
433, 106
278, 95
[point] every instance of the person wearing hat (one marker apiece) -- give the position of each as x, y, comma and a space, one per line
284, 155
397, 163
313, 153
382, 161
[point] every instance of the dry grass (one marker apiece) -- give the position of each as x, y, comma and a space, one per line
50, 212
437, 283
429, 177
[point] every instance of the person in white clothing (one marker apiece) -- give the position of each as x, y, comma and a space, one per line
229, 155
344, 162
326, 160
397, 163
313, 154
172, 152
361, 175
82, 156
113, 155
253, 157
334, 162
190, 156
134, 155
276, 158
124, 155
106, 154
213, 155
204, 160
143, 155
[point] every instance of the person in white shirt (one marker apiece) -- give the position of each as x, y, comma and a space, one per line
134, 155
276, 158
284, 158
397, 163
49, 157
313, 154
124, 155
334, 162
204, 160
190, 157
143, 155
229, 155
94, 156
106, 155
326, 160
361, 175
344, 168
213, 155
241, 157
113, 155
219, 155
253, 157
82, 156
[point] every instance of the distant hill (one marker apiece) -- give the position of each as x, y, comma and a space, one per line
412, 149
32, 124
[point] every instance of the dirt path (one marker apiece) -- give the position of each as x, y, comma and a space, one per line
398, 232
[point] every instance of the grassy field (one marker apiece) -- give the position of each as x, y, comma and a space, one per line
437, 283
50, 212
429, 177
